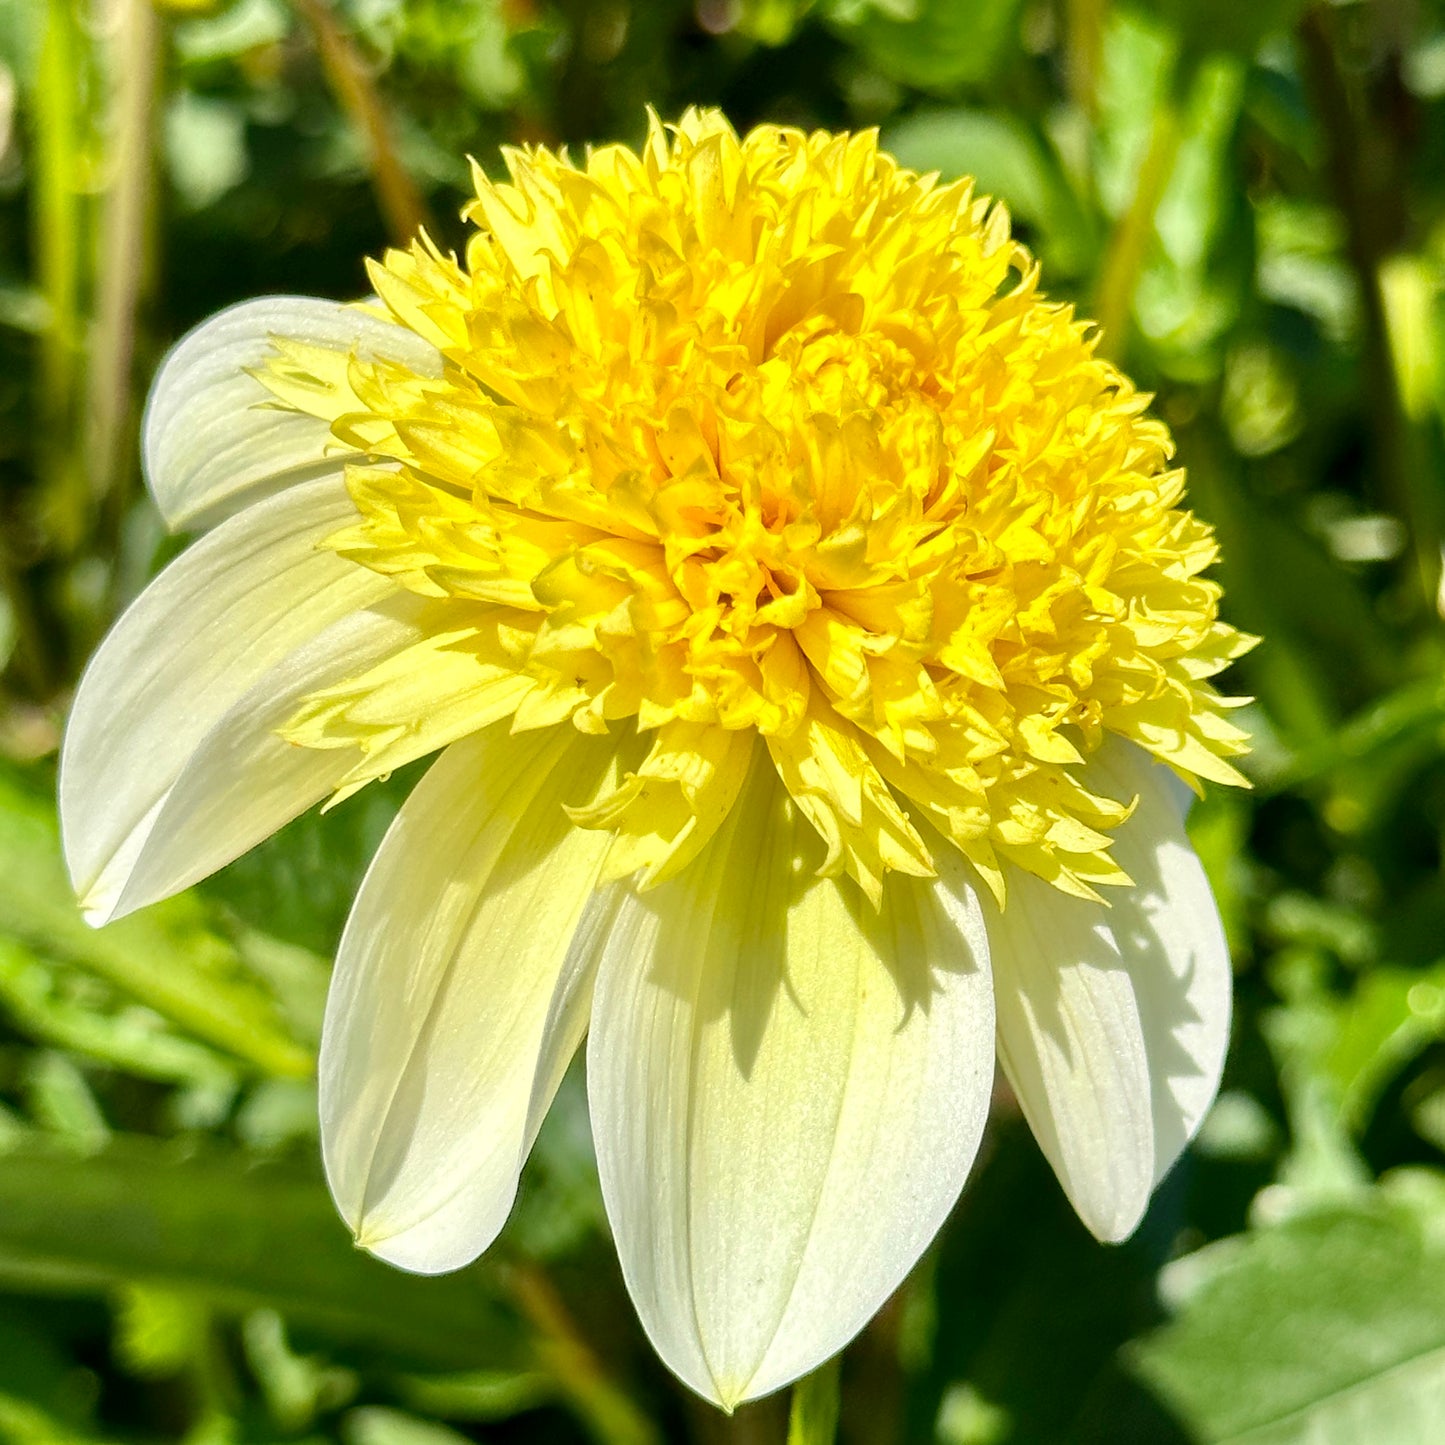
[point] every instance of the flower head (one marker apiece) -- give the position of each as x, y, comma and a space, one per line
814, 635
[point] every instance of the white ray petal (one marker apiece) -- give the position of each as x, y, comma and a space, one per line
210, 442
788, 1090
243, 782
1172, 941
1113, 1023
193, 645
458, 997
1070, 1042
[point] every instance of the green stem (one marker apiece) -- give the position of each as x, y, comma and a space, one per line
1085, 52
122, 260
1129, 244
57, 199
813, 1419
57, 209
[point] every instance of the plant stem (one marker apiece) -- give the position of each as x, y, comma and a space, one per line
57, 208
1085, 52
609, 1415
1130, 241
346, 72
122, 235
813, 1419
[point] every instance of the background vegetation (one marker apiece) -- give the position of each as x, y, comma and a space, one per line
1251, 198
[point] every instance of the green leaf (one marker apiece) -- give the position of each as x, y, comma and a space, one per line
1303, 264
1188, 295
772, 22
375, 1425
482, 1395
248, 25
1137, 67
167, 957
158, 1331
296, 1387
1344, 1051
1390, 1019
1010, 161
206, 148
61, 1101
298, 884
22, 1423
22, 24
61, 1006
1208, 27
237, 1237
1329, 1329
1413, 711
933, 44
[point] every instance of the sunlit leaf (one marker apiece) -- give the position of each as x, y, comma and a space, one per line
1010, 161
167, 957
236, 1236
1326, 1330
65, 1007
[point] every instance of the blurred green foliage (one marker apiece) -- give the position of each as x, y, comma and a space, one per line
1251, 199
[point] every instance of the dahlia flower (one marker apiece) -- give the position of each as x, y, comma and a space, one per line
814, 642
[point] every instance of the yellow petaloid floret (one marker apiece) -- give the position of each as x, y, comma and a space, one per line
772, 437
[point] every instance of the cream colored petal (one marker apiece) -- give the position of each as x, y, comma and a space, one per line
192, 646
1172, 941
788, 1090
212, 443
1071, 1044
243, 782
458, 997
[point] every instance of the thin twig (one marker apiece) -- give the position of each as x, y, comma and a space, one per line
1129, 244
123, 260
1085, 52
610, 1415
350, 80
